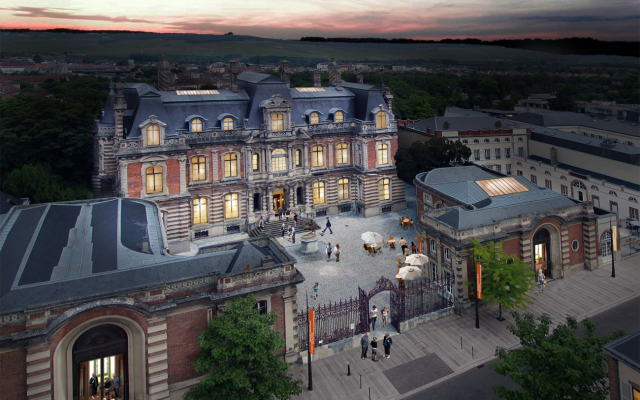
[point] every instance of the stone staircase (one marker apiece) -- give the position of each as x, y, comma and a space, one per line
273, 228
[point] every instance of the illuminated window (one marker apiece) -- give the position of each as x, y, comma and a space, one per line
383, 157
382, 119
343, 189
227, 124
277, 122
230, 165
317, 158
383, 188
318, 192
231, 206
200, 213
153, 135
198, 169
338, 116
314, 118
196, 125
342, 153
255, 160
298, 158
278, 160
154, 180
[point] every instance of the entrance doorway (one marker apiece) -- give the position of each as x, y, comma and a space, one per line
101, 351
256, 202
279, 200
605, 244
541, 243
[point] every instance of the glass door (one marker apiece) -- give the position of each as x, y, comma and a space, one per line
108, 373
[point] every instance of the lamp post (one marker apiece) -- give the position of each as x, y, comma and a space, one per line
613, 254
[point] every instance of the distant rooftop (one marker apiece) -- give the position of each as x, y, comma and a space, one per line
626, 349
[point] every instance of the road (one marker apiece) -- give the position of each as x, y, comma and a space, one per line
476, 383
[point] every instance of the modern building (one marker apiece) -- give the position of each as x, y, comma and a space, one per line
213, 160
540, 100
492, 142
623, 356
607, 109
88, 287
547, 230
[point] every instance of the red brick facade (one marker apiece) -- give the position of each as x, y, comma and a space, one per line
183, 331
13, 384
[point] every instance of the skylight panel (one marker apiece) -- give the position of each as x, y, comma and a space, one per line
310, 89
501, 186
195, 92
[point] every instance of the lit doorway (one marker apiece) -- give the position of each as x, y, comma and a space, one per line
101, 351
279, 200
542, 250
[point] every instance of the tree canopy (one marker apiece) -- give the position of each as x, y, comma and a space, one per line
556, 366
506, 280
38, 184
237, 349
422, 157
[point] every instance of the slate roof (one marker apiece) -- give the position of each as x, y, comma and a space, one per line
86, 248
471, 123
7, 201
459, 183
626, 348
462, 112
551, 118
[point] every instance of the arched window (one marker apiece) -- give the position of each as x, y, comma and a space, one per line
200, 211
255, 161
338, 116
633, 199
318, 192
613, 193
476, 141
381, 120
486, 140
383, 154
594, 187
343, 189
497, 140
533, 168
547, 173
519, 163
342, 155
153, 135
230, 165
519, 139
277, 122
580, 185
507, 139
278, 160
231, 206
154, 180
314, 118
227, 124
383, 188
465, 141
317, 156
564, 178
196, 125
198, 169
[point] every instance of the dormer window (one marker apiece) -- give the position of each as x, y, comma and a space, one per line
277, 122
153, 135
314, 118
196, 125
338, 116
381, 120
227, 124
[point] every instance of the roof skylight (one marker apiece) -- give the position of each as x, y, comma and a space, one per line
196, 92
310, 89
501, 186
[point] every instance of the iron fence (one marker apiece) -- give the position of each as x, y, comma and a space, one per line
425, 296
332, 322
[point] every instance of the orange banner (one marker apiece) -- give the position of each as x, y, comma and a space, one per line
614, 237
420, 244
312, 331
479, 280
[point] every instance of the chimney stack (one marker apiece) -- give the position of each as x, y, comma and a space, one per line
119, 107
360, 78
317, 82
388, 97
284, 72
166, 78
234, 66
335, 74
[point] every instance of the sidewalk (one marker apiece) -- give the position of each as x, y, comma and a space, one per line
431, 353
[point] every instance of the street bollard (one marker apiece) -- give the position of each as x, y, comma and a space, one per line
369, 393
472, 357
360, 381
348, 369
460, 342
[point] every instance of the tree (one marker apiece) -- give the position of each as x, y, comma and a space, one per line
506, 280
554, 366
565, 98
237, 349
422, 157
37, 183
37, 59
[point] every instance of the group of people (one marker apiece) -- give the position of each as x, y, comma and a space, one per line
335, 250
386, 343
405, 248
291, 231
373, 317
94, 384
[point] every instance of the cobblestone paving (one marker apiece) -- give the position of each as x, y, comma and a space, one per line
416, 373
340, 280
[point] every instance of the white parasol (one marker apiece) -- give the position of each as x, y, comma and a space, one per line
409, 273
416, 259
371, 237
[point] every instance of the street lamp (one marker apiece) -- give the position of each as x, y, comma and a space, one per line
613, 254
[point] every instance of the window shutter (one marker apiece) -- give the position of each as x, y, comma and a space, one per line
625, 390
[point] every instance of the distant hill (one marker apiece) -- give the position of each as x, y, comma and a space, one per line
205, 48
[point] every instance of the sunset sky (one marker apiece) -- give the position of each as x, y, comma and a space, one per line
291, 19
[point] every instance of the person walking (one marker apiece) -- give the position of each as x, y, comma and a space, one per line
364, 342
288, 213
337, 251
386, 342
93, 382
541, 280
315, 290
280, 212
384, 317
293, 236
329, 248
116, 385
403, 244
107, 386
327, 226
290, 231
373, 314
295, 219
284, 231
261, 222
374, 349
414, 248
